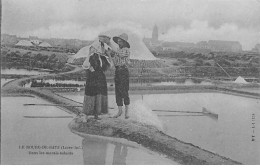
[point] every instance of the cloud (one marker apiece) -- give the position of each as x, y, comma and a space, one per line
73, 30
167, 13
201, 31
85, 18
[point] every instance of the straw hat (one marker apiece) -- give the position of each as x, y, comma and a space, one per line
123, 37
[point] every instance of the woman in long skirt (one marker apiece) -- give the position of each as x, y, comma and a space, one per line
95, 98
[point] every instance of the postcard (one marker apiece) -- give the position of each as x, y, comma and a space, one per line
130, 82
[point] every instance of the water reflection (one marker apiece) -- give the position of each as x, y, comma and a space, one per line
98, 151
120, 154
94, 152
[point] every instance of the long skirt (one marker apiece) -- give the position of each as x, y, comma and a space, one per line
95, 99
95, 105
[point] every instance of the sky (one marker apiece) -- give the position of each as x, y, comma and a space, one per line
177, 20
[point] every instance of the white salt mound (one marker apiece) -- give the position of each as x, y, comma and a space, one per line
45, 44
140, 112
24, 43
189, 82
240, 80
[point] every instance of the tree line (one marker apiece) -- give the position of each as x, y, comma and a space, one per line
15, 59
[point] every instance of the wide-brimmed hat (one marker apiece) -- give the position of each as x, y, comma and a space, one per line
123, 37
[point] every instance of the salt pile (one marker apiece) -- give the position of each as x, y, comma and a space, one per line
24, 43
240, 80
140, 112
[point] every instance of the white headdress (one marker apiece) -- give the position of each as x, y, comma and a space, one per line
97, 48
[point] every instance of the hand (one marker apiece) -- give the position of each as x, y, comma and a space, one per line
110, 52
113, 53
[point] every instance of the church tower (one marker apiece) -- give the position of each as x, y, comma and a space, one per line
155, 34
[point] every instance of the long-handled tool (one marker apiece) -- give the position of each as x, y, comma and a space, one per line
48, 116
60, 105
204, 112
181, 115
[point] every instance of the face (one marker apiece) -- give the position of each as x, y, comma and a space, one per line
121, 43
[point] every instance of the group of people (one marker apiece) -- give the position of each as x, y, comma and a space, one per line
102, 55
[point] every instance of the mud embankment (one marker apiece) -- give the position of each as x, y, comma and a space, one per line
151, 138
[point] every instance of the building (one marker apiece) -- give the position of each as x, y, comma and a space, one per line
177, 46
35, 41
226, 46
153, 43
155, 35
220, 46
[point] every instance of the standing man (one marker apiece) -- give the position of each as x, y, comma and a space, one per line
120, 57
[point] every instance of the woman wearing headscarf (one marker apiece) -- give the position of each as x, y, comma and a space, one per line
95, 98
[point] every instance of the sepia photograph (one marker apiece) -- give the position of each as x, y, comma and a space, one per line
130, 82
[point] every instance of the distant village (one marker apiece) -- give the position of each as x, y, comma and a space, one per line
200, 47
153, 43
53, 44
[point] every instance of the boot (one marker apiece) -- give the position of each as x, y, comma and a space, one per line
126, 112
120, 111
